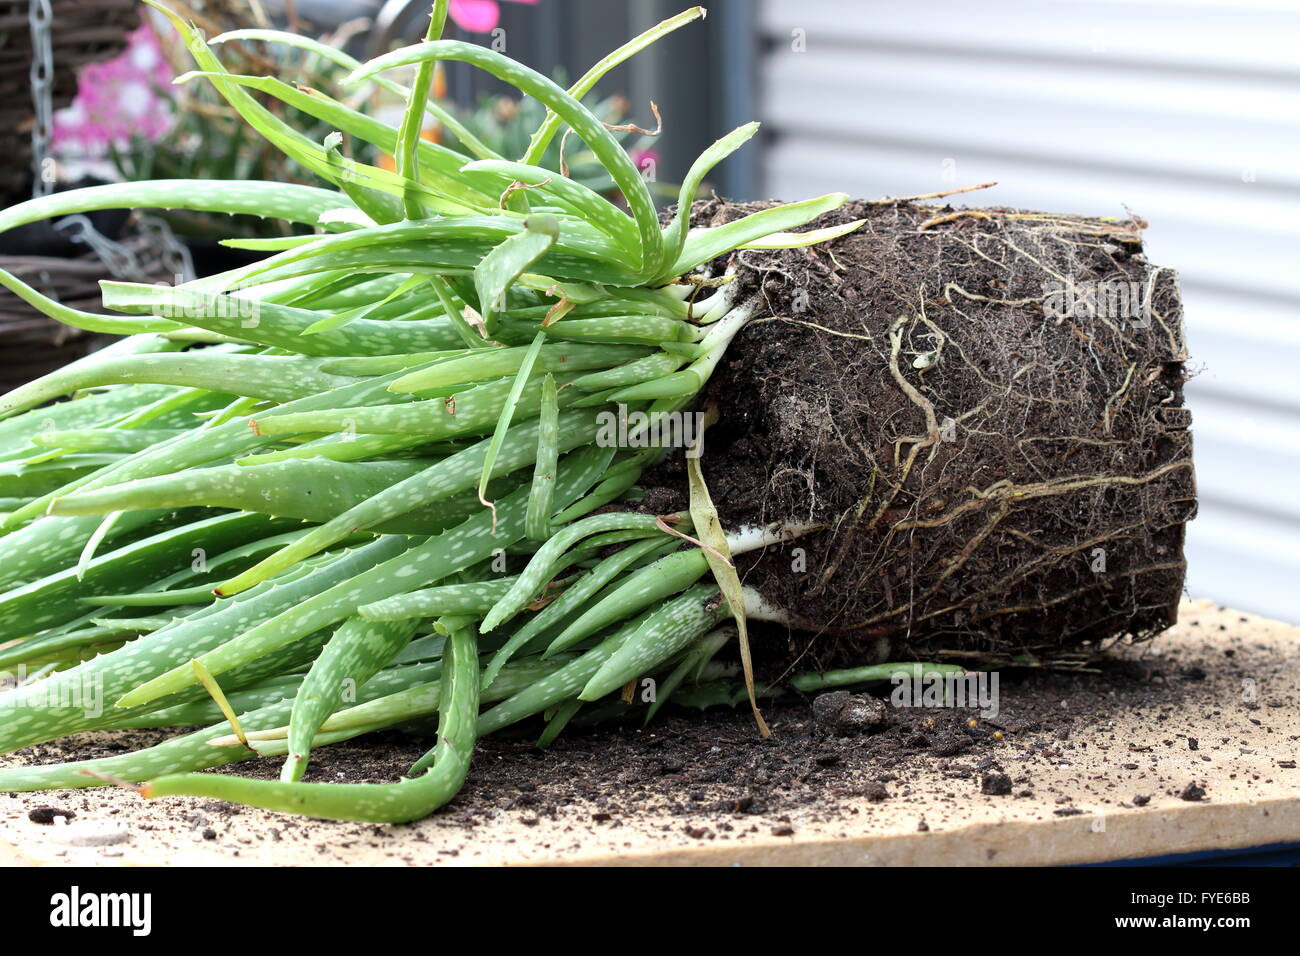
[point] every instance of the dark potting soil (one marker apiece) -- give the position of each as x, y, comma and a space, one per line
984, 411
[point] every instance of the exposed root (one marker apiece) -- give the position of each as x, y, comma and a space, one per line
894, 200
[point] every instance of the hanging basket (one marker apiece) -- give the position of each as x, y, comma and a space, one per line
85, 31
32, 344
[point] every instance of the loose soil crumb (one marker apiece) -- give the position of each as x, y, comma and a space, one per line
47, 815
996, 785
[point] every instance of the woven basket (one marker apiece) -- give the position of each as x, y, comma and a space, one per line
85, 31
31, 344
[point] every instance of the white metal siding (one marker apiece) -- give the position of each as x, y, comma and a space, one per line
1186, 113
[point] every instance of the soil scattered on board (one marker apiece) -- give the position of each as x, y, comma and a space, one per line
707, 777
715, 768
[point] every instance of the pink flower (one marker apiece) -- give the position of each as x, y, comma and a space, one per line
478, 16
645, 158
126, 96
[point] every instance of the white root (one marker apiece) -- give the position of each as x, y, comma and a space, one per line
752, 537
710, 310
759, 608
677, 290
714, 341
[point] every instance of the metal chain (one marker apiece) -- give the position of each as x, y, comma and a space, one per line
176, 256
120, 261
40, 19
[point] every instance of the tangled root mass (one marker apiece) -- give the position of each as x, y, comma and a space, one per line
983, 408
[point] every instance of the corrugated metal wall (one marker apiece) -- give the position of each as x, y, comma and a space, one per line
1186, 113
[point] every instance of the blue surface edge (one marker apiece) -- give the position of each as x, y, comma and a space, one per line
1269, 854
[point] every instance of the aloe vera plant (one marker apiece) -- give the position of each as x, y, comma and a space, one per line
362, 480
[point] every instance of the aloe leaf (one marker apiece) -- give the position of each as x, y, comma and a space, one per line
288, 201
601, 142
439, 165
799, 240
575, 197
675, 233
551, 125
501, 267
705, 244
339, 57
